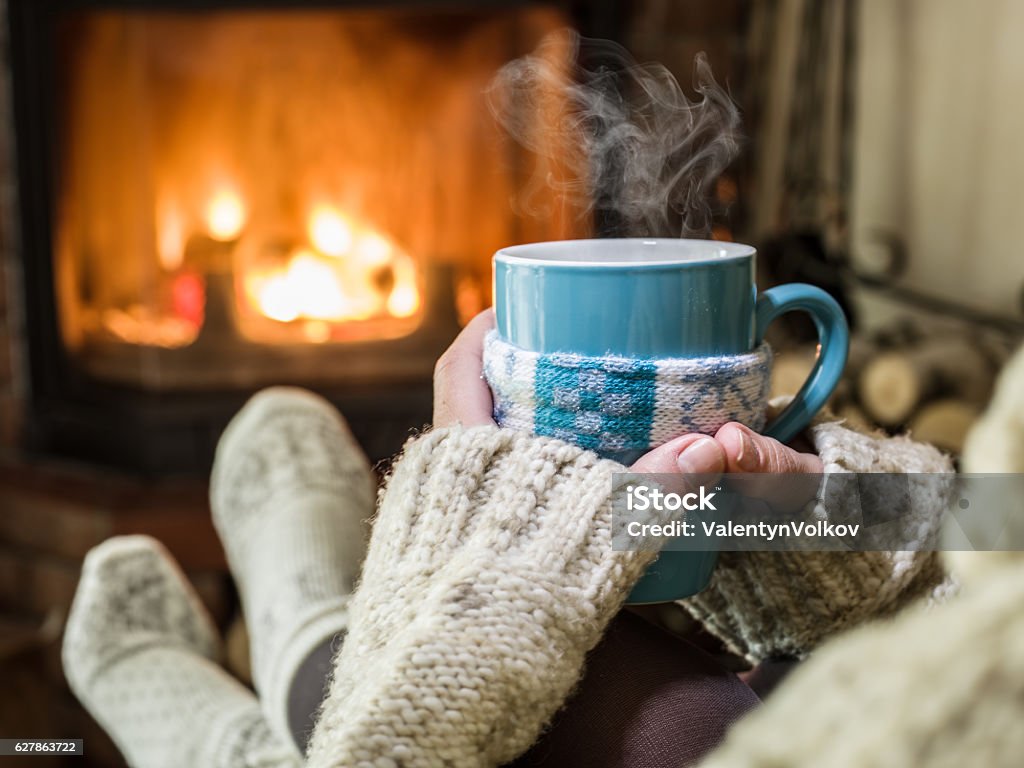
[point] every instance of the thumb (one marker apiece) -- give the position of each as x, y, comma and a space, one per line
692, 454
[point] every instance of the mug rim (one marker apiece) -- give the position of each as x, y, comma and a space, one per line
550, 256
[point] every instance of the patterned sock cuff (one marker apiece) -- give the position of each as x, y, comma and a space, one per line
617, 404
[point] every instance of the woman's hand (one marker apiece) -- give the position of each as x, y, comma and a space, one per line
461, 396
736, 449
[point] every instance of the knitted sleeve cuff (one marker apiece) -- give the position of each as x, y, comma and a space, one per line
490, 574
780, 604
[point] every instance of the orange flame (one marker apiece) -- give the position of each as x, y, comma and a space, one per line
225, 215
350, 272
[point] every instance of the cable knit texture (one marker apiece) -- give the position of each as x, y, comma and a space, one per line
615, 404
489, 576
783, 604
996, 444
936, 687
766, 604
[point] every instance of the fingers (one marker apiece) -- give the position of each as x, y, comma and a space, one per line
747, 452
461, 395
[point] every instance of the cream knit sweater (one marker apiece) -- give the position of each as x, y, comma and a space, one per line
936, 687
765, 604
490, 575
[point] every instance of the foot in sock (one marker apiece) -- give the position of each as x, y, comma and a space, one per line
138, 653
290, 492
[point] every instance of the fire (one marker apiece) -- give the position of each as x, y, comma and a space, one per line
404, 299
348, 272
225, 215
170, 237
308, 287
373, 250
329, 232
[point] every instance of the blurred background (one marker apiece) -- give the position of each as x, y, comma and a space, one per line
202, 197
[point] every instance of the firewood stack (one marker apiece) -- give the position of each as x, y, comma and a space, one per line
930, 384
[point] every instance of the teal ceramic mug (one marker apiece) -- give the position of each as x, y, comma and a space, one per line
653, 299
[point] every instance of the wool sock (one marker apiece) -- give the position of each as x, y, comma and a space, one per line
138, 652
290, 492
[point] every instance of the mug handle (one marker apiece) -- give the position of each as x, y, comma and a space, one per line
833, 344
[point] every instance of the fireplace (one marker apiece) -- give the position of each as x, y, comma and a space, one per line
157, 264
216, 196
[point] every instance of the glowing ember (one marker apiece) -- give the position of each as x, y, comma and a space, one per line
141, 325
188, 298
225, 215
329, 232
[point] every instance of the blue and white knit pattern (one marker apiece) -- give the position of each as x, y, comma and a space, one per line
616, 404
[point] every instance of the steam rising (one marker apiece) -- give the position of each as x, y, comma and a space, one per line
621, 141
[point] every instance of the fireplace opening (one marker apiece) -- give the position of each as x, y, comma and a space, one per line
215, 199
249, 184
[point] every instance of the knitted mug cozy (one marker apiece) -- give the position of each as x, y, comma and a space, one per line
615, 404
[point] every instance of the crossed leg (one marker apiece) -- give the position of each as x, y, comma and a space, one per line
290, 494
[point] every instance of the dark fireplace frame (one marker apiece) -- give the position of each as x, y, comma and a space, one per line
166, 433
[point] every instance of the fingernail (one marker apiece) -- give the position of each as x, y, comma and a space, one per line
701, 457
748, 459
